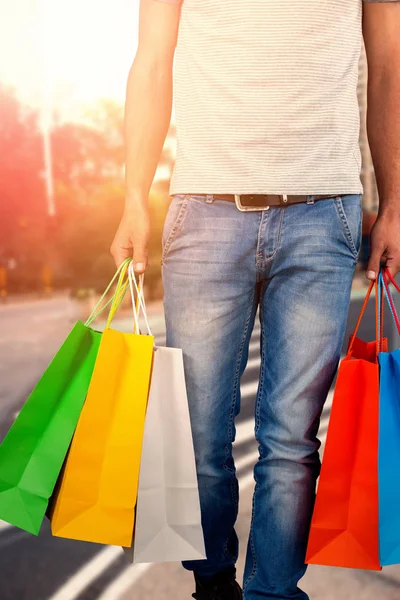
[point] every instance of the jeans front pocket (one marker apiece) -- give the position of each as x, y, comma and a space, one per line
349, 211
173, 221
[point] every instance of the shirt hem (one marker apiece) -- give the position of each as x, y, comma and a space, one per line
306, 191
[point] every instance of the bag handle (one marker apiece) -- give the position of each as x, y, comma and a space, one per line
378, 317
381, 295
385, 285
364, 306
124, 282
379, 306
384, 292
388, 275
121, 297
119, 292
140, 303
97, 310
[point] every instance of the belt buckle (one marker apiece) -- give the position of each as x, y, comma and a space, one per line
243, 208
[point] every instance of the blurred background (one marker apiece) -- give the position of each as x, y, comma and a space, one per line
63, 70
62, 83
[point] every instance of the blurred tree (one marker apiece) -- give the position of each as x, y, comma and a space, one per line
22, 200
88, 169
89, 177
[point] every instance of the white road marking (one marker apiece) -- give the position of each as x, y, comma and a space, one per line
127, 579
244, 431
4, 525
248, 389
253, 362
246, 481
246, 461
133, 573
88, 573
129, 576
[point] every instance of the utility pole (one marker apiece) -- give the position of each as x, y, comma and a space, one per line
46, 124
47, 103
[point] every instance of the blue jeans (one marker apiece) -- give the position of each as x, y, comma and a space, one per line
218, 265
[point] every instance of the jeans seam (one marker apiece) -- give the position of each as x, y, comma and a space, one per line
253, 552
236, 503
257, 426
238, 363
278, 239
258, 251
261, 381
232, 411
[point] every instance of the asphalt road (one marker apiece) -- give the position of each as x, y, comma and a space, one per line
46, 568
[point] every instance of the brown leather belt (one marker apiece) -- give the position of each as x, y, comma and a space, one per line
271, 199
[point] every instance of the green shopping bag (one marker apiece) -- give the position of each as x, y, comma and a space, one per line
33, 452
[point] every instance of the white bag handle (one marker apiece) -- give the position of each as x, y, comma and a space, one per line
132, 283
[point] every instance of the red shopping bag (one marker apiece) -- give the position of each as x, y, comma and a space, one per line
344, 527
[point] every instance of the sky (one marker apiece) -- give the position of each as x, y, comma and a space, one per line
67, 52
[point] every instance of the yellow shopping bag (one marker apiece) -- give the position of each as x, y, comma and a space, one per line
97, 490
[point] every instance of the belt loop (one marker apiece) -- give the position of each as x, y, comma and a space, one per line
310, 200
209, 198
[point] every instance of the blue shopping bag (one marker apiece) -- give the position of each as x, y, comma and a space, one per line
389, 443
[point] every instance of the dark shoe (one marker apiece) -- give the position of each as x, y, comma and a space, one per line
221, 587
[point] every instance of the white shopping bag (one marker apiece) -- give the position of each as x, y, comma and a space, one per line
168, 518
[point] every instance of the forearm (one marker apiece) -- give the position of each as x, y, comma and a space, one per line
147, 117
383, 123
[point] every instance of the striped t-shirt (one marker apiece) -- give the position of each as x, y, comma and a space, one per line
265, 96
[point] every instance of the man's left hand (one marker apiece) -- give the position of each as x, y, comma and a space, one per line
385, 245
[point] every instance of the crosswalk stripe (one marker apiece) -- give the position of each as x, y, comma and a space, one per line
132, 574
88, 573
93, 569
246, 461
127, 579
248, 389
246, 481
253, 362
244, 431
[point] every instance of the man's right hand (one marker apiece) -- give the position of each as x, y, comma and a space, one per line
132, 237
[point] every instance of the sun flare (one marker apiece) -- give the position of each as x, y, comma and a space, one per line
75, 49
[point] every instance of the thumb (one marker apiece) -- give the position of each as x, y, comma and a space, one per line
140, 256
374, 262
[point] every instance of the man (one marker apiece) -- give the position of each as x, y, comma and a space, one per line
267, 118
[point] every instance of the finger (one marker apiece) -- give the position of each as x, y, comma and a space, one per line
120, 253
140, 256
374, 262
393, 266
